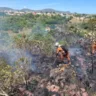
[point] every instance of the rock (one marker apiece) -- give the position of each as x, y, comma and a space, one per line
21, 89
77, 65
72, 93
88, 54
78, 93
54, 94
61, 84
82, 89
72, 86
92, 85
85, 94
53, 88
28, 93
24, 92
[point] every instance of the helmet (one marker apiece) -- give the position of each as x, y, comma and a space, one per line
56, 44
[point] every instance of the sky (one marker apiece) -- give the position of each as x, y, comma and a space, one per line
79, 6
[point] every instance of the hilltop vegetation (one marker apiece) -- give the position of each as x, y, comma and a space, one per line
16, 23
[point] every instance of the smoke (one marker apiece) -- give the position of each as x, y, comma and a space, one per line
10, 53
75, 51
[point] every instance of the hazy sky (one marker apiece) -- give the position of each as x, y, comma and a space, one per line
80, 6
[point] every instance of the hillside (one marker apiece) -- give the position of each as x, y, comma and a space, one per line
30, 10
5, 8
30, 64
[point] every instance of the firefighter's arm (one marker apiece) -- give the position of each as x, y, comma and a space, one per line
58, 52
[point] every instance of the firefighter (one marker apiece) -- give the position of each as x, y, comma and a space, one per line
62, 55
94, 48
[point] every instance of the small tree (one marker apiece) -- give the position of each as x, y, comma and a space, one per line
92, 28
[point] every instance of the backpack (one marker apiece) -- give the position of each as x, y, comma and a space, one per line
64, 48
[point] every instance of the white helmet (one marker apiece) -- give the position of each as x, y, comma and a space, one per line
56, 44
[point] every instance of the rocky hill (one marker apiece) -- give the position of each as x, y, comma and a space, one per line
30, 10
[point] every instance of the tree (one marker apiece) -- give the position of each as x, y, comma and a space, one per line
92, 28
5, 77
11, 76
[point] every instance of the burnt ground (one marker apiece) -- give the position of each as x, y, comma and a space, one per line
76, 80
